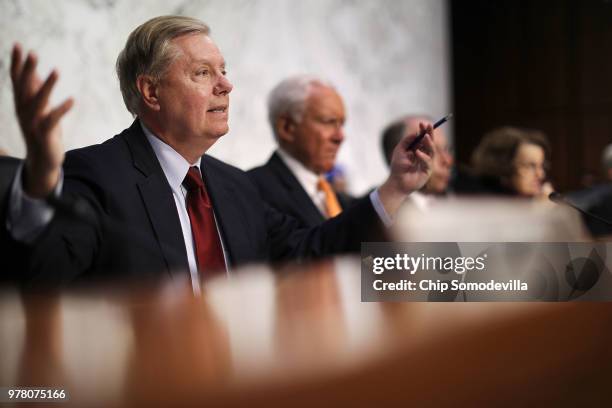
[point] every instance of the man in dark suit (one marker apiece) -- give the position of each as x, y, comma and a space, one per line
307, 117
8, 168
149, 201
597, 199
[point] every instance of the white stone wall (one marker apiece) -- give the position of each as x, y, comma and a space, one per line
386, 57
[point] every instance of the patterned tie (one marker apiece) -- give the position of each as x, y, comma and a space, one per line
209, 253
332, 206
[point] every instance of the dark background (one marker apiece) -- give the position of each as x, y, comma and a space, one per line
538, 64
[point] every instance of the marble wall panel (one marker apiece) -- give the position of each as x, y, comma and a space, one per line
386, 57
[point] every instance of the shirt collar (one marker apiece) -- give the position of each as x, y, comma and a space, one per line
307, 178
174, 165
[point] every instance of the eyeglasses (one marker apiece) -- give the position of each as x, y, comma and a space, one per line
532, 167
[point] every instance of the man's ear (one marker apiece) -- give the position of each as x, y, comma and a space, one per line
148, 89
285, 128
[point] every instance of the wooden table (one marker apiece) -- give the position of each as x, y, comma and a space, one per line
301, 337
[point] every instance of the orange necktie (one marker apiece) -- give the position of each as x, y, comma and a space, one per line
332, 206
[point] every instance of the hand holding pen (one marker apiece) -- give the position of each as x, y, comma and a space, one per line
417, 140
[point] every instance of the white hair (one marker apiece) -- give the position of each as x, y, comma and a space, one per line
289, 98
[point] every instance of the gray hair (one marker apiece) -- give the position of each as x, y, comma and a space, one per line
289, 98
606, 157
148, 51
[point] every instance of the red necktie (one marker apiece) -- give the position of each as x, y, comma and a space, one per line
209, 253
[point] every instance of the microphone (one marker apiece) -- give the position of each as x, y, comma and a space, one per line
582, 274
559, 198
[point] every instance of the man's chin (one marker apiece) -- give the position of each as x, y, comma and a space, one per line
217, 133
326, 168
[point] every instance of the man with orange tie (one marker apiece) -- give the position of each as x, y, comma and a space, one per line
307, 117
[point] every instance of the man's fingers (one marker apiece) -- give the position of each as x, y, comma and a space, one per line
56, 114
426, 144
415, 141
428, 139
26, 81
16, 64
42, 96
425, 152
423, 156
426, 128
425, 161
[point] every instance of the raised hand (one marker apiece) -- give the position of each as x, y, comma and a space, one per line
410, 170
40, 124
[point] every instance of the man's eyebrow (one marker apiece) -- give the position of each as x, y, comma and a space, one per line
206, 62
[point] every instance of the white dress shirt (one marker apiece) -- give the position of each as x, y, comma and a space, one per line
175, 169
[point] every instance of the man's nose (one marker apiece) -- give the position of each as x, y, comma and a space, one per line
338, 133
223, 86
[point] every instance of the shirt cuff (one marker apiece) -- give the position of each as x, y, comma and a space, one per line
380, 209
28, 217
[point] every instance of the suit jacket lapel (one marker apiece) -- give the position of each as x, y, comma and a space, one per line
295, 190
158, 200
